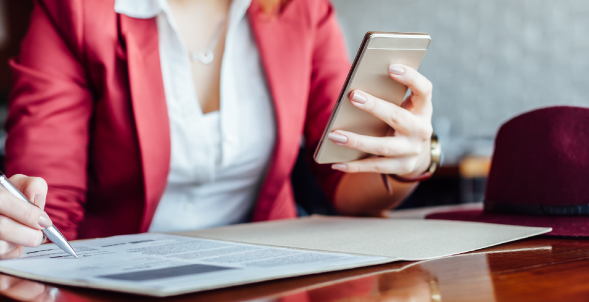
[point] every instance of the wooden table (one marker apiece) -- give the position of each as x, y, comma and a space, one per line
537, 269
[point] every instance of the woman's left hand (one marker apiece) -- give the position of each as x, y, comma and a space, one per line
405, 150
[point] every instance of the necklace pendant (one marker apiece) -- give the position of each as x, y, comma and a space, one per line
205, 56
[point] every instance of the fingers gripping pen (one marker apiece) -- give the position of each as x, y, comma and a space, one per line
51, 232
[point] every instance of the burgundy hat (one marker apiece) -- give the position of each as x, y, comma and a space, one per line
539, 173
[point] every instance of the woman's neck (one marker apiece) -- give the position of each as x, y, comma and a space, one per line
199, 22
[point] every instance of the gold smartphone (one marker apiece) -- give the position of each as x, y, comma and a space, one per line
370, 73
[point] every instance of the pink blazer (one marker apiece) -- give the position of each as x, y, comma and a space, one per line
88, 112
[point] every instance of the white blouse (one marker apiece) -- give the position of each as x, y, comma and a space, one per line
218, 159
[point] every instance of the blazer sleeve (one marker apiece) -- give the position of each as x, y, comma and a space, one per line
50, 107
330, 66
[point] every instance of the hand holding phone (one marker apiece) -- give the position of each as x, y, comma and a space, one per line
371, 118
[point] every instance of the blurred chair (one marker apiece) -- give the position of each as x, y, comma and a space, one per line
308, 194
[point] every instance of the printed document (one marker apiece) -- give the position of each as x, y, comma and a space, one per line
162, 265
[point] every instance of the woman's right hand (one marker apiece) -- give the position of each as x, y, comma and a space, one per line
20, 222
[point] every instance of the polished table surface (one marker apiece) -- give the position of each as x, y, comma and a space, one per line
536, 269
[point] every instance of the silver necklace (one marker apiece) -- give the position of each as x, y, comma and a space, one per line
206, 56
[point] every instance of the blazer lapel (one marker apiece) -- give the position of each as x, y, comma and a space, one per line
281, 56
280, 41
149, 108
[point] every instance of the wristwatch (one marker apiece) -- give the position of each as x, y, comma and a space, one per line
436, 157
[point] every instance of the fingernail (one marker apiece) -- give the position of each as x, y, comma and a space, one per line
39, 200
44, 221
396, 69
337, 138
341, 167
40, 239
359, 97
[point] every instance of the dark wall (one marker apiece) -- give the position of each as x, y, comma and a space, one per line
15, 17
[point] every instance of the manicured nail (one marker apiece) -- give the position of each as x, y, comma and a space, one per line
40, 239
337, 138
39, 199
44, 221
359, 97
396, 69
341, 167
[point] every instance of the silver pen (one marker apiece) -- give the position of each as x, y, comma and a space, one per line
51, 232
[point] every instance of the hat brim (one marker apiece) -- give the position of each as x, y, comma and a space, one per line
572, 226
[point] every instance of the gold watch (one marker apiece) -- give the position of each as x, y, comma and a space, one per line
436, 158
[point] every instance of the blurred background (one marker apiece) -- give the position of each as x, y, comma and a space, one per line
488, 61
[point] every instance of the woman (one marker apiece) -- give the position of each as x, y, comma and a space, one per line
136, 128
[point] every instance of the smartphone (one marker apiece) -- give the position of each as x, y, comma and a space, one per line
370, 73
